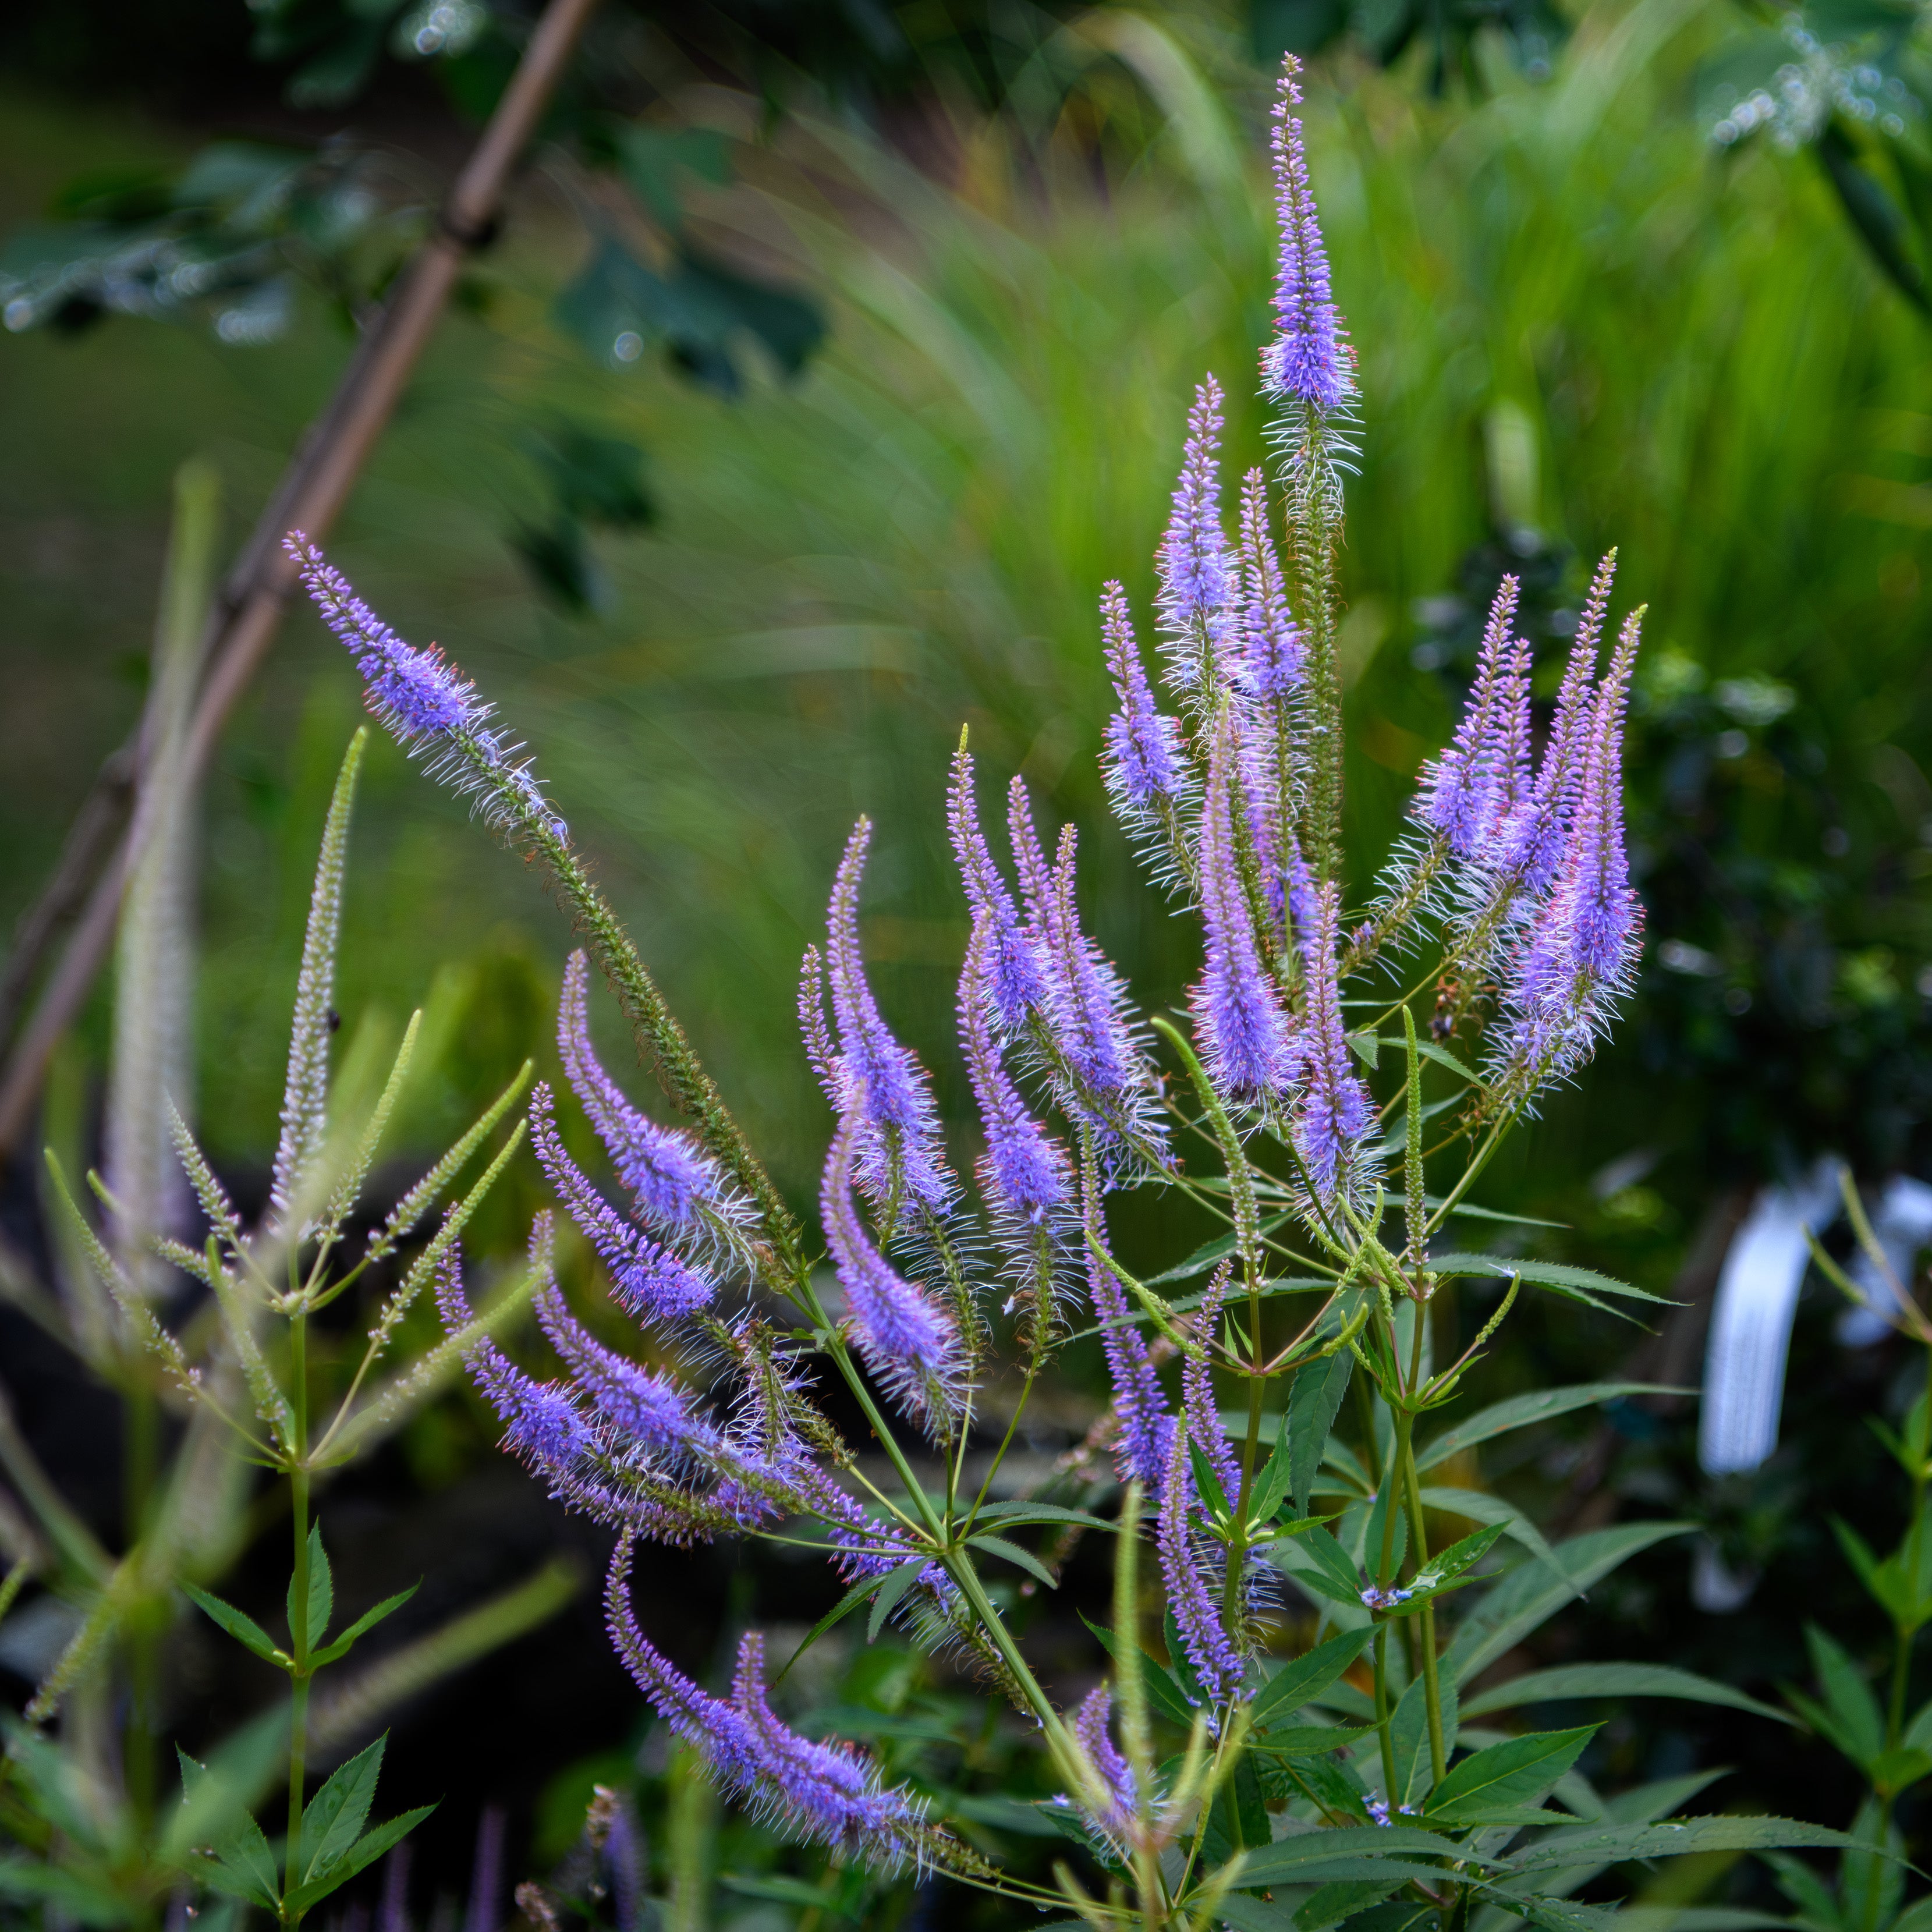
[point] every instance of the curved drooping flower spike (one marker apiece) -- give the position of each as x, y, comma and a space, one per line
1217, 1664
1197, 582
1145, 768
1309, 361
1197, 1392
908, 1340
648, 1280
826, 1794
1335, 1115
672, 1182
1581, 954
1455, 796
878, 1087
1015, 980
1245, 1040
428, 706
1116, 1774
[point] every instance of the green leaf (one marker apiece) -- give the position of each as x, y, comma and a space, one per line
998, 1545
1574, 1284
1871, 1880
1312, 1406
366, 1621
846, 1604
1675, 1837
892, 1588
244, 1629
1288, 1860
1330, 1904
336, 1813
1307, 1740
1207, 1484
1479, 1506
242, 1865
83, 1898
1330, 1571
1615, 1680
1305, 1679
1162, 1686
321, 1594
1529, 1595
1514, 1773
1858, 1720
1276, 1478
215, 1796
1013, 1515
1519, 1411
1409, 1738
1447, 1570
365, 1851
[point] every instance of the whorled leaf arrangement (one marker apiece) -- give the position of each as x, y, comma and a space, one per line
1286, 1777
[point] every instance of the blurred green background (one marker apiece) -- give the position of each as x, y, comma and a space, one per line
1583, 322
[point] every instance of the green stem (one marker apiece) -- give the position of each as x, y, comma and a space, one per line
141, 1455
1431, 1686
299, 1634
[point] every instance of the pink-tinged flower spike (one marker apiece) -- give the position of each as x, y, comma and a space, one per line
1237, 1014
1145, 769
1196, 581
1336, 1113
1117, 1775
1582, 952
1272, 646
1197, 1392
1533, 840
1512, 784
1456, 794
1015, 979
829, 1793
1145, 1430
909, 1341
428, 706
672, 1182
649, 1281
882, 1091
1217, 1665
1309, 361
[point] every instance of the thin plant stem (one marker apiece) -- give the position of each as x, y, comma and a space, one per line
298, 1630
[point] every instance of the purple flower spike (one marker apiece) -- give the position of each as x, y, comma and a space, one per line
909, 1341
881, 1089
1014, 977
1026, 1177
1217, 1665
649, 1281
1237, 1015
1197, 1392
1144, 770
1196, 582
1309, 360
1117, 1775
1271, 640
1335, 1112
1512, 786
1457, 795
673, 1184
1145, 1428
542, 1426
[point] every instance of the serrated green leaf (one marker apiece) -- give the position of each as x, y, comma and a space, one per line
335, 1815
1161, 1686
1276, 1479
1301, 1681
1294, 1861
1479, 1506
1409, 1739
321, 1594
1510, 1774
846, 1604
1675, 1837
365, 1851
243, 1628
998, 1545
1578, 1284
1013, 1515
892, 1587
1448, 1569
1858, 1720
1520, 1411
1313, 1404
366, 1622
1615, 1680
242, 1864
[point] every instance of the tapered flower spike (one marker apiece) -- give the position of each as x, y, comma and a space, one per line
1217, 1665
1455, 796
673, 1184
1144, 1432
1512, 786
1145, 769
1016, 979
1197, 583
883, 1091
1335, 1113
649, 1281
907, 1339
1237, 1014
1117, 1775
1197, 1391
1581, 954
1533, 840
429, 707
1309, 361
1026, 1177
1272, 647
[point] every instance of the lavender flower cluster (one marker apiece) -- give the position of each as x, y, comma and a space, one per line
1516, 866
